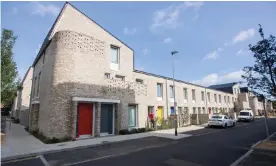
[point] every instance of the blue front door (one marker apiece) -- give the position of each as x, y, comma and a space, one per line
172, 111
107, 118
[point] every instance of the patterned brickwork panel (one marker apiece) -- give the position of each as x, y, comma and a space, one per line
84, 43
131, 88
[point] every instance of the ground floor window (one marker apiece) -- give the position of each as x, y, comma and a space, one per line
132, 115
150, 110
199, 110
194, 110
179, 110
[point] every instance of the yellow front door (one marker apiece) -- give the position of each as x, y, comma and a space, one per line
160, 114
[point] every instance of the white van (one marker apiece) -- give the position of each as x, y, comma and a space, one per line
246, 115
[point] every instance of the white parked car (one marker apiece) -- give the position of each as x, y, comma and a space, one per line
221, 120
246, 115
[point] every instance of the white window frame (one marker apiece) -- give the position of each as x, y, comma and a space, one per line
185, 93
193, 95
171, 91
160, 98
139, 81
34, 88
107, 75
38, 85
136, 115
114, 65
120, 77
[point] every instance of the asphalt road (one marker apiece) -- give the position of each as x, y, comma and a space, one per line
209, 146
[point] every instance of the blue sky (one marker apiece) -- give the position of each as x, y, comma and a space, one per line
212, 38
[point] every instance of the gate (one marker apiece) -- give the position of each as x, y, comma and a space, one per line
3, 124
184, 118
24, 118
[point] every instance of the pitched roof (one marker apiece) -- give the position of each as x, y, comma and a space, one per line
25, 75
168, 78
227, 85
47, 41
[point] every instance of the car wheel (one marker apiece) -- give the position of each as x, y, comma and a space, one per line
210, 126
225, 125
234, 124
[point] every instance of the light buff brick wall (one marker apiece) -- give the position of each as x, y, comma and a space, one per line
26, 91
77, 59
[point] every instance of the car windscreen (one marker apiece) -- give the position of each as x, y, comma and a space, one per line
244, 113
216, 117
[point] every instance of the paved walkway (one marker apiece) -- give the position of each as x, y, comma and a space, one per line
263, 154
21, 144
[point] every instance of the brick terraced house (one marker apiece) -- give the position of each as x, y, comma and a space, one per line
85, 85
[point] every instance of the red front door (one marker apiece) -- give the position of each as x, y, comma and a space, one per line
85, 113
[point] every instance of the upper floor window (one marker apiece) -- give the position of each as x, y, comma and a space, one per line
215, 97
208, 95
202, 96
43, 60
140, 81
193, 94
159, 90
185, 94
224, 99
171, 91
228, 99
219, 98
107, 75
38, 84
34, 87
114, 55
119, 77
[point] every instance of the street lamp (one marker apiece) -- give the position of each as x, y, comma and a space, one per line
175, 118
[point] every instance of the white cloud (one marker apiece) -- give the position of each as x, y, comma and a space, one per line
214, 54
168, 40
226, 43
130, 31
169, 18
242, 52
14, 10
244, 35
195, 5
145, 51
43, 9
215, 78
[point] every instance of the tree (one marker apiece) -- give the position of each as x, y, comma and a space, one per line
261, 77
9, 72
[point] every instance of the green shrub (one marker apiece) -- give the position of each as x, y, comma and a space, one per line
46, 140
134, 131
141, 130
124, 132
